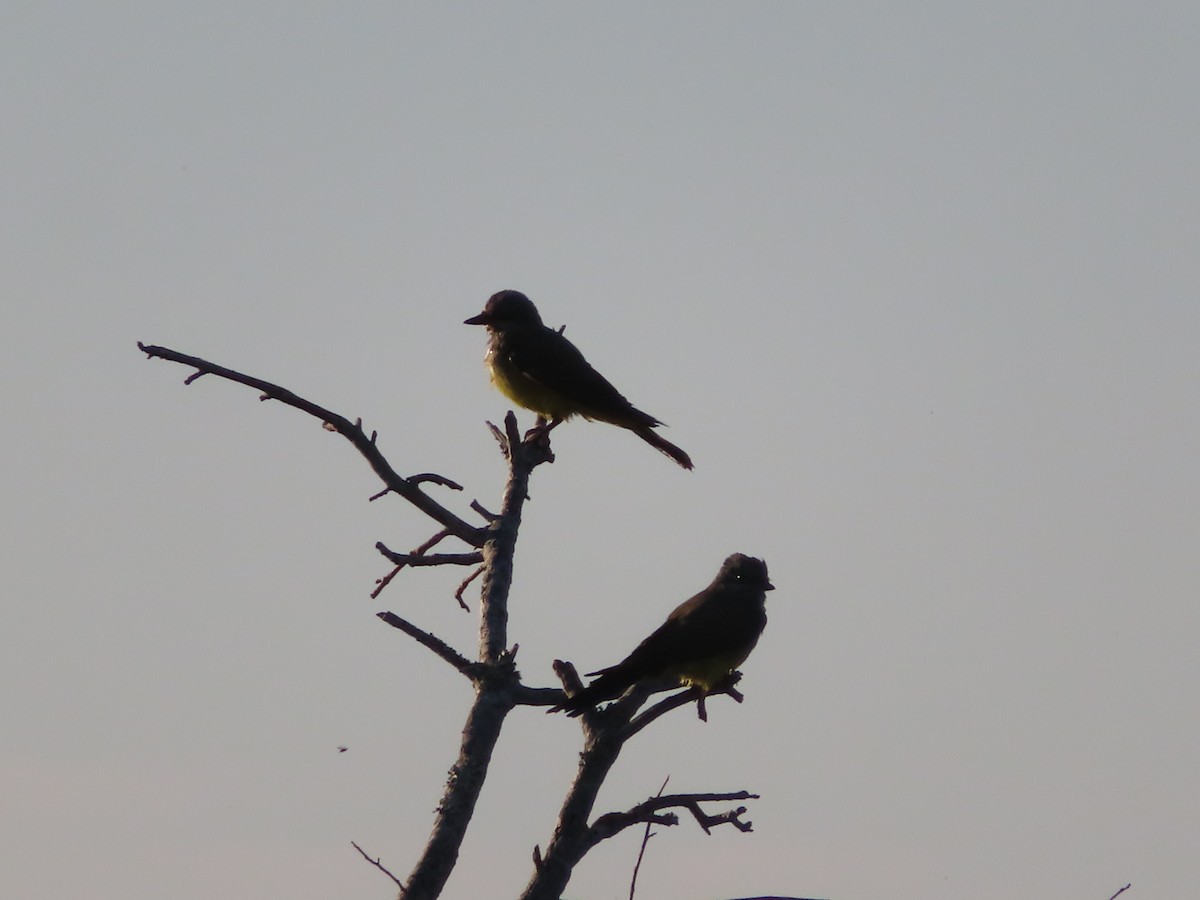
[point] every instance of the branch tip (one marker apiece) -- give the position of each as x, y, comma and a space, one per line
470, 534
431, 642
568, 675
435, 479
510, 428
458, 594
377, 864
487, 514
500, 439
419, 558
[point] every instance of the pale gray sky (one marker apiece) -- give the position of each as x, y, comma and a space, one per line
914, 284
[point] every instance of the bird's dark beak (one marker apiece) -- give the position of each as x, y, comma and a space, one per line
769, 587
482, 319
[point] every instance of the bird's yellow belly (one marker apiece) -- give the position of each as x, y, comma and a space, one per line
526, 392
707, 673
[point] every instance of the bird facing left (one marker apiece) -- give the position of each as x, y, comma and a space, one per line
539, 369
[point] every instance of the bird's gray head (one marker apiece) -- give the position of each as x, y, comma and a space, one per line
507, 308
745, 571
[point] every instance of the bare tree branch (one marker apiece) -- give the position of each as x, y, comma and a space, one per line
458, 594
434, 478
421, 479
434, 643
382, 582
610, 824
605, 733
501, 541
377, 864
675, 701
353, 432
627, 705
430, 559
479, 508
498, 683
432, 542
660, 709
536, 696
569, 677
498, 686
420, 557
732, 817
1121, 891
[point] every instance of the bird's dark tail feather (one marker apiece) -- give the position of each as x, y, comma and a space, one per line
662, 445
578, 704
606, 687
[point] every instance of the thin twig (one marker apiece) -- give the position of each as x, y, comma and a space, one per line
500, 439
383, 582
458, 594
1121, 891
434, 478
432, 542
377, 864
645, 840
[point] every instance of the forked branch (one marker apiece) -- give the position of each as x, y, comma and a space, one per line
606, 732
651, 811
408, 488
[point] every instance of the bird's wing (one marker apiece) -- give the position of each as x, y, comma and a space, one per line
701, 629
545, 356
698, 629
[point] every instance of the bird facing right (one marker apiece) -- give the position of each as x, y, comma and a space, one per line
702, 640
